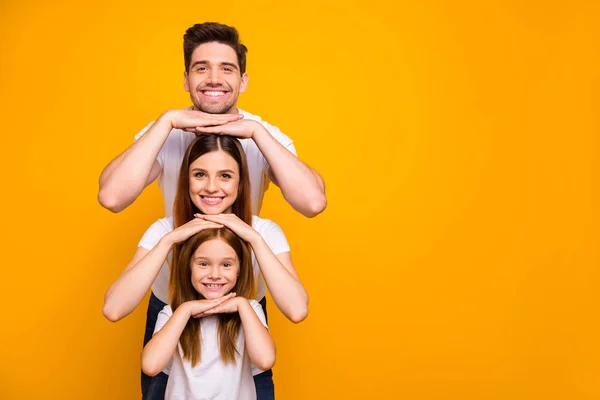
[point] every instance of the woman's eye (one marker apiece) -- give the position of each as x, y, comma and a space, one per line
199, 175
226, 176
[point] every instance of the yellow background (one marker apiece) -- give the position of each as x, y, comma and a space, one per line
458, 257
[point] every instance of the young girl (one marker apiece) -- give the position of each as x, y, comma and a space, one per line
211, 331
213, 191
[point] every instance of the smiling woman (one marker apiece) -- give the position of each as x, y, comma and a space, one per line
213, 193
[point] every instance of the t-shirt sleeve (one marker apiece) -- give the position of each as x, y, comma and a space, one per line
152, 236
275, 238
163, 316
259, 311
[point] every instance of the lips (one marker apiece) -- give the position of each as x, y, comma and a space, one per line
214, 286
212, 200
213, 93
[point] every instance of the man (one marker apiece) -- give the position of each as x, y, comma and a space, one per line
215, 74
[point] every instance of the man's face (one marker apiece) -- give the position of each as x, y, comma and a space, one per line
214, 81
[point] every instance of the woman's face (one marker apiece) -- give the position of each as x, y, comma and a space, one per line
215, 268
214, 182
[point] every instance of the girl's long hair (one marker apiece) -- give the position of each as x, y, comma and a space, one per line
182, 290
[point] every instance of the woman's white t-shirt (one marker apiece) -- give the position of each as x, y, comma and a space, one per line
211, 378
269, 230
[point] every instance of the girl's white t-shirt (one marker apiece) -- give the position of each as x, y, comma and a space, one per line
269, 230
211, 378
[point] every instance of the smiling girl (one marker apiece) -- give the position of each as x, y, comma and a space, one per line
210, 347
213, 192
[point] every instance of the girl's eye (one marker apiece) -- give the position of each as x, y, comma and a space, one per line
203, 264
226, 176
199, 175
227, 265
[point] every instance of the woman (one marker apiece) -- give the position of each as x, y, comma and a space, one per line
213, 191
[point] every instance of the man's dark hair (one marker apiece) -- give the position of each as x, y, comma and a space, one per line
213, 32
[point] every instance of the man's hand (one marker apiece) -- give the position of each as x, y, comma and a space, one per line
243, 128
189, 120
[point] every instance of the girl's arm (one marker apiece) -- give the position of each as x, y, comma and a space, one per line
159, 350
259, 343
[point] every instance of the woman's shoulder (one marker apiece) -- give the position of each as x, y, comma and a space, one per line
262, 224
163, 225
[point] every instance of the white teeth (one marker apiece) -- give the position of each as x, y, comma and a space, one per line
212, 200
213, 93
213, 285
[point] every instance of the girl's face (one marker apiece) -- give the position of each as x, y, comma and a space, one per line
215, 269
214, 181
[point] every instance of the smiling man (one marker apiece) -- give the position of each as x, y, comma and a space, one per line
215, 75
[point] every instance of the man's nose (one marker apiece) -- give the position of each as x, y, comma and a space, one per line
214, 76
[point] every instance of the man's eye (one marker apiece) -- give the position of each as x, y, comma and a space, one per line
201, 69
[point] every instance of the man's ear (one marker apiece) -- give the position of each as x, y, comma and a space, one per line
186, 85
244, 83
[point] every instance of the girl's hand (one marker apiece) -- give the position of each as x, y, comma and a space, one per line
198, 308
233, 222
189, 229
227, 307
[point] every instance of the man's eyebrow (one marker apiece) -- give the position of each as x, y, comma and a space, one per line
230, 64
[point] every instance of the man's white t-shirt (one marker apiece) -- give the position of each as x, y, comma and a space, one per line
171, 155
269, 230
211, 378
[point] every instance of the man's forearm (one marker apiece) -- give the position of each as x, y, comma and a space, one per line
124, 179
301, 186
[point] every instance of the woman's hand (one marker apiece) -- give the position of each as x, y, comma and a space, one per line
189, 229
199, 308
233, 222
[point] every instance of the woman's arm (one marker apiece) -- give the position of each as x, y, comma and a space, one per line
282, 280
278, 271
127, 292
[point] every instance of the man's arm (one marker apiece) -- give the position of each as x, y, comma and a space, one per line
125, 177
301, 186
